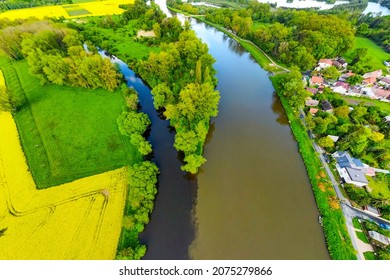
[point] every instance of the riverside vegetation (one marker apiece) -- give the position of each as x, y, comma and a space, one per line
66, 102
179, 71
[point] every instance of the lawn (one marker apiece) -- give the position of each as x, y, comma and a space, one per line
362, 237
67, 133
356, 223
376, 55
369, 256
107, 7
77, 220
380, 188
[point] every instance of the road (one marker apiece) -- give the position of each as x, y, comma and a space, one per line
349, 212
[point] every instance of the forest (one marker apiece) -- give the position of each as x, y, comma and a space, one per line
20, 4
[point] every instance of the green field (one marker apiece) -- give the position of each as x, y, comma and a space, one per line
376, 55
380, 188
362, 237
67, 133
121, 41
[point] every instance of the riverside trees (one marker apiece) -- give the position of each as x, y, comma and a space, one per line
183, 84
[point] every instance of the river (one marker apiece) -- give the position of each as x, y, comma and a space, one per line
252, 199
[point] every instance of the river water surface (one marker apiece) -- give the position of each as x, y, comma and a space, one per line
252, 199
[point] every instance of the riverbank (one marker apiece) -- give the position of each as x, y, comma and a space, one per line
335, 230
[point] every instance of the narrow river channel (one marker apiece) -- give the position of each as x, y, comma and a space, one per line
252, 199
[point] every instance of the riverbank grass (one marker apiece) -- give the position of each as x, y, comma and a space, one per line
67, 133
375, 56
337, 237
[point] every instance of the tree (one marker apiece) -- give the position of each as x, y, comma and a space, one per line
326, 142
355, 79
341, 112
331, 73
293, 88
186, 141
193, 163
133, 123
377, 136
358, 113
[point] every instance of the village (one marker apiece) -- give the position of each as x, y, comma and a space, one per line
346, 125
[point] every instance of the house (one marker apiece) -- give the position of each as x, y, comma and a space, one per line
375, 74
385, 81
354, 91
379, 239
340, 63
368, 91
326, 106
312, 91
350, 169
381, 93
325, 63
311, 102
386, 63
316, 80
369, 81
345, 76
340, 87
387, 119
313, 111
372, 210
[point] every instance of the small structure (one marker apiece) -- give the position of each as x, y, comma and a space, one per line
326, 106
334, 138
311, 102
316, 80
375, 74
147, 34
369, 92
387, 119
386, 63
325, 63
313, 111
371, 210
379, 239
344, 77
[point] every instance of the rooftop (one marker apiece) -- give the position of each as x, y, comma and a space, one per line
379, 237
356, 175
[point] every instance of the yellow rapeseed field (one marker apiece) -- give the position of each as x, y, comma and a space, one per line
77, 220
101, 8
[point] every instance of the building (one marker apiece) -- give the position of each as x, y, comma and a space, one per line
350, 169
381, 93
311, 102
379, 239
385, 81
334, 138
375, 74
313, 111
369, 81
316, 80
312, 91
340, 63
326, 106
340, 87
387, 119
325, 63
345, 76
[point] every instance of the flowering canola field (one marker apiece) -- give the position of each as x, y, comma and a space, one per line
77, 220
107, 7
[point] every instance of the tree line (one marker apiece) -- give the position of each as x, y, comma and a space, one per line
56, 55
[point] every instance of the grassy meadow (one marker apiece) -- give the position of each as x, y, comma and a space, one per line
79, 9
67, 133
77, 220
376, 55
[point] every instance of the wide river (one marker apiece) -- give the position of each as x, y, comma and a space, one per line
252, 199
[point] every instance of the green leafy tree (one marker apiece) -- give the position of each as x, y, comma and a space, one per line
133, 123
326, 142
331, 73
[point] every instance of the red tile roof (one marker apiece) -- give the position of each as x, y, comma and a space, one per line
316, 80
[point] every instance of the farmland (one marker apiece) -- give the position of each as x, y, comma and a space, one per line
108, 7
67, 133
78, 220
